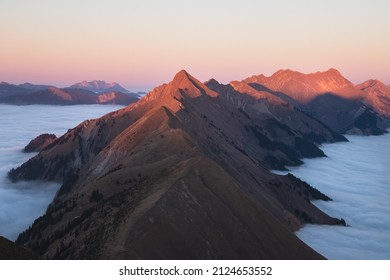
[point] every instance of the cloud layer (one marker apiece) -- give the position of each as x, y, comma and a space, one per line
356, 176
21, 203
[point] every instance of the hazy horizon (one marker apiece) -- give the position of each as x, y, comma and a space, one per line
142, 44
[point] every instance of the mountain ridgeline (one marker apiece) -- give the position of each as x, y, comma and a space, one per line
95, 92
184, 174
328, 96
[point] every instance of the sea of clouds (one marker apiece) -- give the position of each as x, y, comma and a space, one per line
22, 202
356, 176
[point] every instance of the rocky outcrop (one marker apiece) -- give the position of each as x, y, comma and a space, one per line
39, 143
181, 174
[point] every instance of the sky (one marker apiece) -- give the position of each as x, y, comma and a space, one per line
143, 43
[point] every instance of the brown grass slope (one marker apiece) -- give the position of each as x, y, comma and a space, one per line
178, 175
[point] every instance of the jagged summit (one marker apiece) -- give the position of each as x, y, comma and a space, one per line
316, 77
370, 83
183, 80
306, 87
330, 71
192, 87
333, 71
212, 81
286, 72
183, 85
181, 74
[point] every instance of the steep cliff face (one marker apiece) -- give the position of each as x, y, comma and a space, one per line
181, 174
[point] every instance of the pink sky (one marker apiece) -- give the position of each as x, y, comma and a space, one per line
141, 44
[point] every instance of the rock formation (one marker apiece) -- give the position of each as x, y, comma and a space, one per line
39, 143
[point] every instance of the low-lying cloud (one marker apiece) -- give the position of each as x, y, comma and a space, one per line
22, 202
21, 205
356, 176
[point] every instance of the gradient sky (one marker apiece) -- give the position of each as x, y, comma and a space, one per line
143, 43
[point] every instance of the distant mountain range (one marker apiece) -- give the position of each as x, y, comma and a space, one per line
95, 92
99, 86
184, 172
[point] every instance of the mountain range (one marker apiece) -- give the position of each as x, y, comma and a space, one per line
332, 99
184, 173
94, 92
98, 86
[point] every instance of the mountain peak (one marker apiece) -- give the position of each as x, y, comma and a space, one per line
377, 94
372, 84
292, 73
212, 82
183, 85
286, 72
181, 74
99, 86
189, 86
333, 71
182, 77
